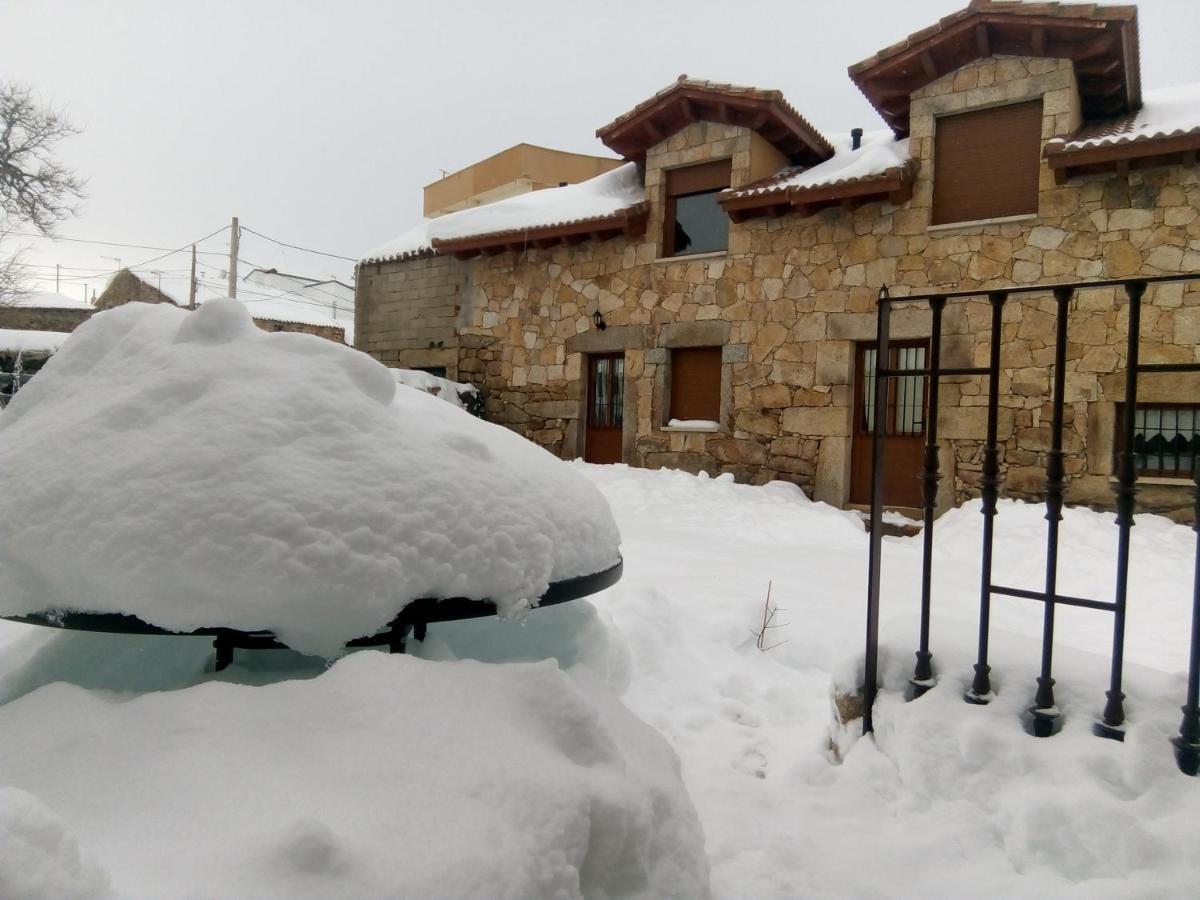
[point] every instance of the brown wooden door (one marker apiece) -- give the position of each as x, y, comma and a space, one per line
605, 407
903, 421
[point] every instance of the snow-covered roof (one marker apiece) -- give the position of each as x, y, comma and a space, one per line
13, 339
321, 303
1165, 113
49, 300
327, 290
318, 501
880, 152
602, 196
289, 308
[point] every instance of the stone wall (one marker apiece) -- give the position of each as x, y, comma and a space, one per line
793, 294
406, 314
32, 318
334, 333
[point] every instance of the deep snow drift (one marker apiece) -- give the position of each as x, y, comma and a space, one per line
387, 776
947, 800
196, 471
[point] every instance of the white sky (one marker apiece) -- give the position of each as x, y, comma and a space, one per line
319, 123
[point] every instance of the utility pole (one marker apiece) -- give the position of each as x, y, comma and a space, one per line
192, 282
56, 268
234, 234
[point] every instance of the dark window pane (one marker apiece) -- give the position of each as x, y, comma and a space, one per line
1165, 438
701, 226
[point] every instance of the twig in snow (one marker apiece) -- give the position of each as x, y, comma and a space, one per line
768, 622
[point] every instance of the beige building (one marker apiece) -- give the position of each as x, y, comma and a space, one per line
517, 170
710, 305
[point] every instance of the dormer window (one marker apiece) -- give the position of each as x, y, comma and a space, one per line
986, 163
694, 221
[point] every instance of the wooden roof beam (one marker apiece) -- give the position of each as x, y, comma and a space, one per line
1095, 47
653, 132
983, 42
1037, 39
929, 64
1097, 67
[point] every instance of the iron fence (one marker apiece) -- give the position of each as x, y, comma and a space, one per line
1045, 717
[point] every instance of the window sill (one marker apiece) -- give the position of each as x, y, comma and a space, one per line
976, 223
675, 429
1183, 481
692, 257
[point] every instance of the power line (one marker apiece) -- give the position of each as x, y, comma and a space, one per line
286, 296
297, 247
182, 249
47, 237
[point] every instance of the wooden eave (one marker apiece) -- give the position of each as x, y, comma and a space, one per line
630, 221
765, 112
893, 185
1121, 156
1101, 42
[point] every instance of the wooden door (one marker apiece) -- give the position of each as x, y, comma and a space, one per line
903, 422
605, 408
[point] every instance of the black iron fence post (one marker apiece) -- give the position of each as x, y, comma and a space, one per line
1046, 719
989, 489
1187, 745
922, 679
1126, 491
871, 660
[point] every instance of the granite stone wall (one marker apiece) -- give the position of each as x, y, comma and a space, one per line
793, 295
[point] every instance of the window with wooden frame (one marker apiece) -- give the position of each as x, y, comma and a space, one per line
986, 163
694, 221
696, 384
1166, 438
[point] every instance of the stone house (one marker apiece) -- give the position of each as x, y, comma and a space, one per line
43, 311
711, 304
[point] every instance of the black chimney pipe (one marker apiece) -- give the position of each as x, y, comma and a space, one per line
855, 138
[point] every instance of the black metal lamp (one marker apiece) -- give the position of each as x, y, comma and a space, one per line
598, 320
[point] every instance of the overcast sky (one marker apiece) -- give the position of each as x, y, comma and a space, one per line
319, 123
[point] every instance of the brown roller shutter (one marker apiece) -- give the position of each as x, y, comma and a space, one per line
696, 383
986, 163
709, 176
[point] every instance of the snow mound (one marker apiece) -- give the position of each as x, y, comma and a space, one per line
39, 859
385, 776
193, 470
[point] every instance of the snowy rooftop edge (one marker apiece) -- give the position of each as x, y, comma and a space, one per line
880, 152
605, 195
1165, 113
12, 339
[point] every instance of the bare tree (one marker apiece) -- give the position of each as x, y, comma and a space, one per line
35, 188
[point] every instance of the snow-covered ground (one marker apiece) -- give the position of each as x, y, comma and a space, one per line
278, 779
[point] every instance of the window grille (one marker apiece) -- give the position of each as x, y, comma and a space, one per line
1166, 438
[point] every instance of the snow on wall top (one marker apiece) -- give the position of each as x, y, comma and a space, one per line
442, 388
43, 341
317, 499
600, 196
49, 300
879, 151
1165, 112
290, 308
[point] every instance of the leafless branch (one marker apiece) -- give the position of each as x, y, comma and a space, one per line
35, 187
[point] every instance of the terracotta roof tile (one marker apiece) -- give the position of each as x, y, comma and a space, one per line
798, 131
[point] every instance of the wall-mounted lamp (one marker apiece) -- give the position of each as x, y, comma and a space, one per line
599, 321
